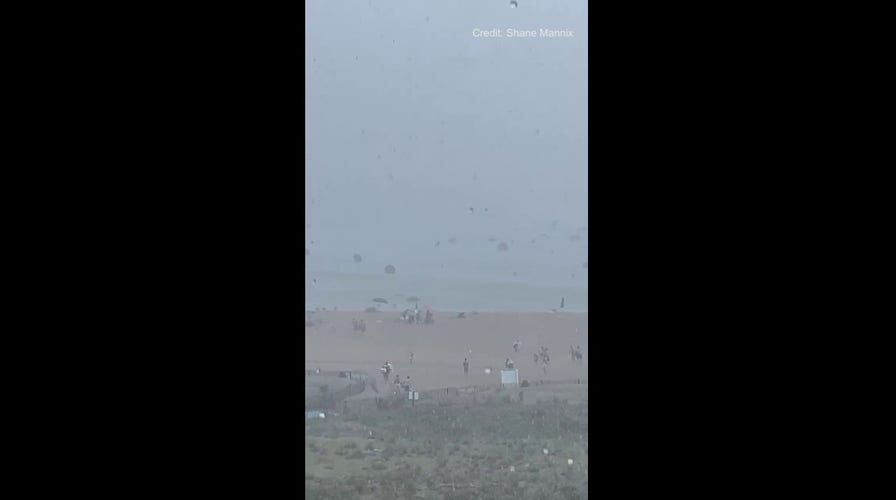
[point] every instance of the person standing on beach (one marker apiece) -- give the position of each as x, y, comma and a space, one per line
411, 356
466, 366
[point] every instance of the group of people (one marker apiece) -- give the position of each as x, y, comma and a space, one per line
413, 317
358, 325
387, 370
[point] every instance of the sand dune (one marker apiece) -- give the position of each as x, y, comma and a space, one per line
439, 349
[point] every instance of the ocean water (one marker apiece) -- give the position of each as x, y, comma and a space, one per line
481, 282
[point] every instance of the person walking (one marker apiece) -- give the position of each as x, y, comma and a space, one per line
466, 366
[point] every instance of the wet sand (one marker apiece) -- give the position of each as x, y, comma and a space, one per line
440, 349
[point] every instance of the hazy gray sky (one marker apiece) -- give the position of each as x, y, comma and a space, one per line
411, 119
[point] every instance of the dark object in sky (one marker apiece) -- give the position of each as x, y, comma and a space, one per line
437, 243
471, 209
314, 281
413, 298
381, 300
514, 273
390, 269
562, 302
452, 240
461, 315
357, 257
503, 247
486, 209
513, 4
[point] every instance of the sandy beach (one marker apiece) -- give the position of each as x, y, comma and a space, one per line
439, 349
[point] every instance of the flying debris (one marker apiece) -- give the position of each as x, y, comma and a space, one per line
390, 269
471, 209
513, 4
503, 247
357, 257
381, 300
314, 281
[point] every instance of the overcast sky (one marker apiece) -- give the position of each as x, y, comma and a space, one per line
411, 120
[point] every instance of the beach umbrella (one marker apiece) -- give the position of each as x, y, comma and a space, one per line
381, 300
357, 257
390, 269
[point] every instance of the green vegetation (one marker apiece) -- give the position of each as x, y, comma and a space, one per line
454, 451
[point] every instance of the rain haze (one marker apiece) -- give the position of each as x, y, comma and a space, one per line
412, 120
446, 249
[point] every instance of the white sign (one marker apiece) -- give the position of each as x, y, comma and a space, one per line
510, 377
